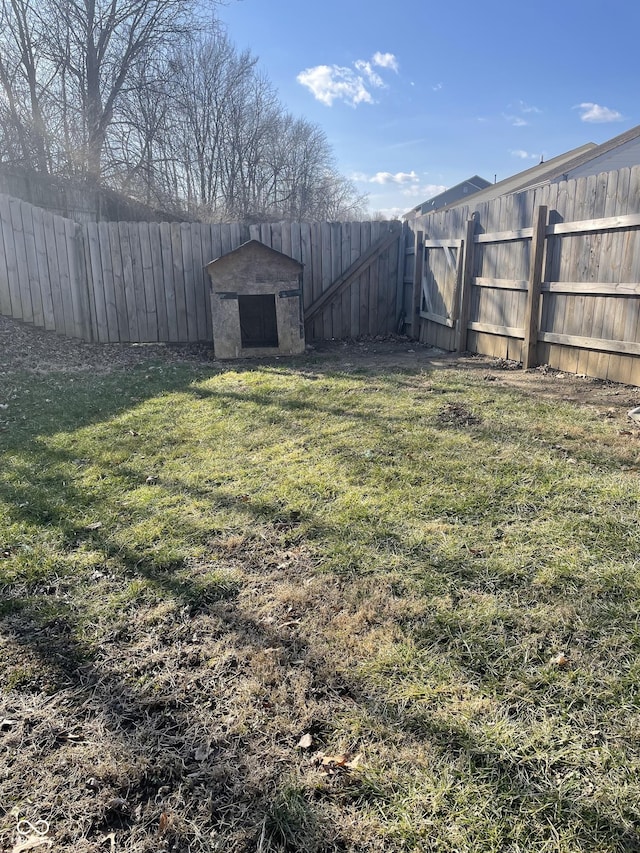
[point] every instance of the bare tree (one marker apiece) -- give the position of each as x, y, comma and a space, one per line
141, 95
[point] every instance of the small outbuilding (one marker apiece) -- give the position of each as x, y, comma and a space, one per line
256, 303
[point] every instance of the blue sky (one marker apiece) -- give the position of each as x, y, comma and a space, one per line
417, 96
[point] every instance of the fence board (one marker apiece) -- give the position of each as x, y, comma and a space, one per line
104, 257
67, 323
157, 279
44, 276
21, 272
126, 328
166, 252
32, 264
178, 283
189, 281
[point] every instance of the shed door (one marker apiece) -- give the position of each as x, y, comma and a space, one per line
258, 324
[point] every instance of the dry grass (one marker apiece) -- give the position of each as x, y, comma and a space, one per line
200, 566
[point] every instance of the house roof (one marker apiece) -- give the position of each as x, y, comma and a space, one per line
529, 177
556, 168
449, 196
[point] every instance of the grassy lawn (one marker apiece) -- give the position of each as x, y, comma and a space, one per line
436, 580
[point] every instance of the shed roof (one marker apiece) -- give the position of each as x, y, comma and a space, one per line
257, 248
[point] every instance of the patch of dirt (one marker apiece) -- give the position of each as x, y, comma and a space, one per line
23, 347
457, 415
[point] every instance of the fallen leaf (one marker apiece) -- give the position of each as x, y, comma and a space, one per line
163, 825
306, 741
560, 659
355, 761
95, 525
337, 760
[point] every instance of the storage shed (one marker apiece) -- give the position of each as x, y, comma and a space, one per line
256, 303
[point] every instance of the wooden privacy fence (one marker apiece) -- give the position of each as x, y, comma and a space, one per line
42, 277
548, 276
146, 282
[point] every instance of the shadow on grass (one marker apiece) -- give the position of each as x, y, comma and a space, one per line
51, 628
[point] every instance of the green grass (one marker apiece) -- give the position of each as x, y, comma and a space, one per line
322, 550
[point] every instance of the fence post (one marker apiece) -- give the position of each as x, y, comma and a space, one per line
532, 311
416, 296
467, 281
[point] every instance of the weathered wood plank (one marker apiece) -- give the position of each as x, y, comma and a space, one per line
442, 321
189, 281
157, 278
96, 275
597, 288
207, 255
364, 279
68, 324
501, 283
166, 250
51, 245
491, 329
345, 262
504, 236
119, 284
43, 267
326, 279
137, 281
102, 259
453, 243
22, 271
7, 275
631, 220
32, 264
147, 275
201, 290
179, 283
628, 347
128, 283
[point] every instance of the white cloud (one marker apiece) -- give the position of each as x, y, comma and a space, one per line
385, 60
329, 83
424, 192
437, 87
398, 178
385, 177
366, 68
595, 113
516, 112
524, 155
